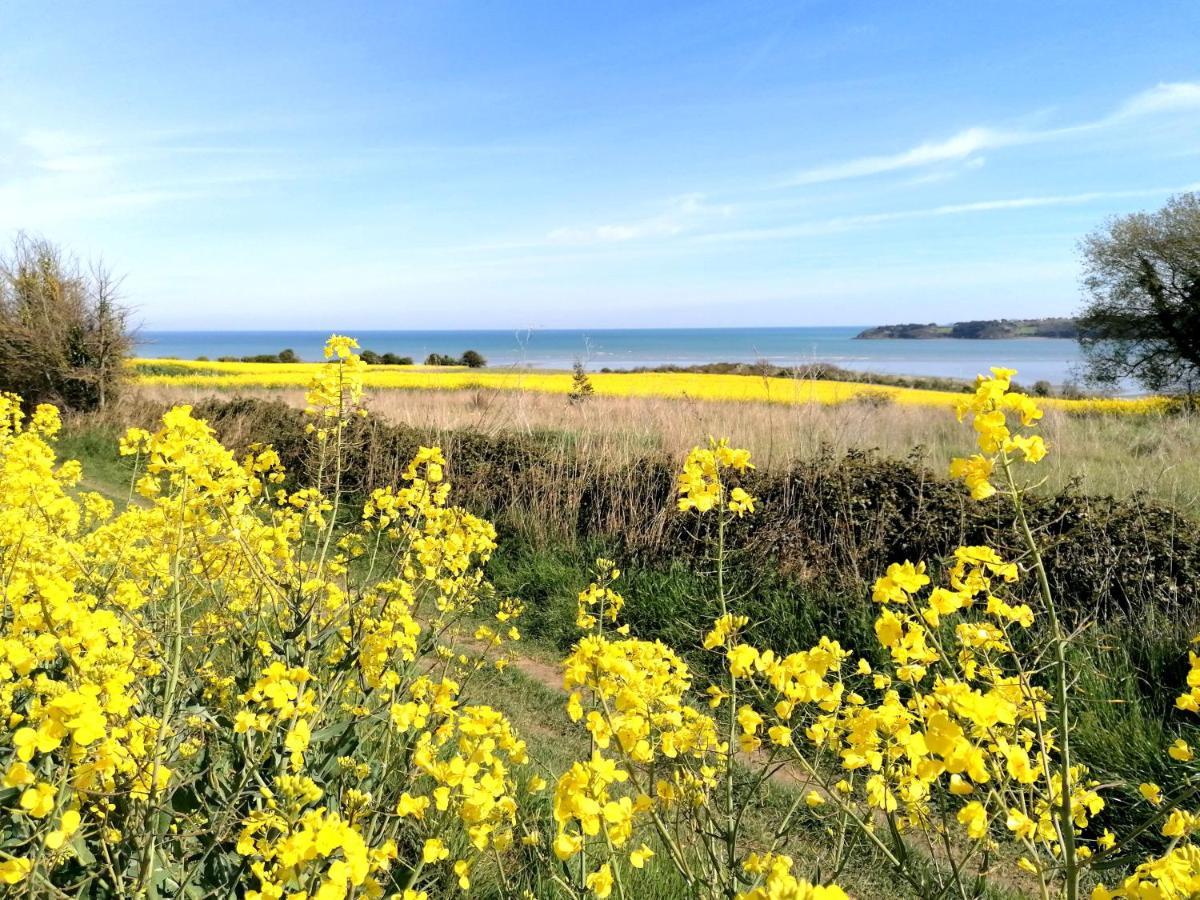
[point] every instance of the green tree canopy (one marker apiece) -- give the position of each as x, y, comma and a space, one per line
1141, 277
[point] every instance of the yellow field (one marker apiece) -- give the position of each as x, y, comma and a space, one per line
693, 386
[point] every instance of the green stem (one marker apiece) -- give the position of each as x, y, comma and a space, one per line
1066, 826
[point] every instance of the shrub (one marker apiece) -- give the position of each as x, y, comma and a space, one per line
64, 335
472, 359
581, 385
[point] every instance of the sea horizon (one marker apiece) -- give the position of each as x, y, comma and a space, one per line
1049, 359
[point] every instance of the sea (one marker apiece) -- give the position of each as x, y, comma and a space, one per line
1050, 359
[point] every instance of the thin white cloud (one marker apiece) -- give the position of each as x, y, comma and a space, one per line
1166, 97
840, 224
682, 214
967, 144
954, 149
50, 177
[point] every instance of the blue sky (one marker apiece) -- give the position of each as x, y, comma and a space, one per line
574, 164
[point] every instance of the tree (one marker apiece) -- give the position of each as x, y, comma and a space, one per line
1142, 317
472, 359
64, 334
581, 385
288, 356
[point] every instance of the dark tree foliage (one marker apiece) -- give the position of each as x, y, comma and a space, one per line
581, 385
1142, 317
472, 359
64, 335
371, 358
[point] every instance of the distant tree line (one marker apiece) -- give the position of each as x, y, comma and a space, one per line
472, 359
283, 356
371, 358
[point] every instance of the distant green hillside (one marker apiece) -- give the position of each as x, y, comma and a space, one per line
989, 329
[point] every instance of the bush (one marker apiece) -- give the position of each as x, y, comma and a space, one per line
64, 336
371, 358
472, 359
828, 523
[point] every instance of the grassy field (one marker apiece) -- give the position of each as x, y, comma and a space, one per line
676, 385
1116, 455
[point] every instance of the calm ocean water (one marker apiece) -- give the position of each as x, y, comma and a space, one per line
1037, 358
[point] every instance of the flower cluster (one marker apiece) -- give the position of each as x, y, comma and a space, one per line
989, 409
232, 686
702, 482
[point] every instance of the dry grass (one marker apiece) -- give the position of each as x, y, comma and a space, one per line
1114, 455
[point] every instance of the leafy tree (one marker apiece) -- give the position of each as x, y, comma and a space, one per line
1142, 280
472, 359
581, 385
288, 356
441, 359
64, 335
371, 358
391, 359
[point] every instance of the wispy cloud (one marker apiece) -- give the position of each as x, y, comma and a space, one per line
1167, 97
52, 176
682, 214
839, 224
953, 149
968, 143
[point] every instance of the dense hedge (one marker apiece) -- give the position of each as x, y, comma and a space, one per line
833, 520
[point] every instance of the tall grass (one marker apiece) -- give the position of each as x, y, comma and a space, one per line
1112, 455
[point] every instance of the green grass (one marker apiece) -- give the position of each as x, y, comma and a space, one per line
104, 470
1125, 715
555, 742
